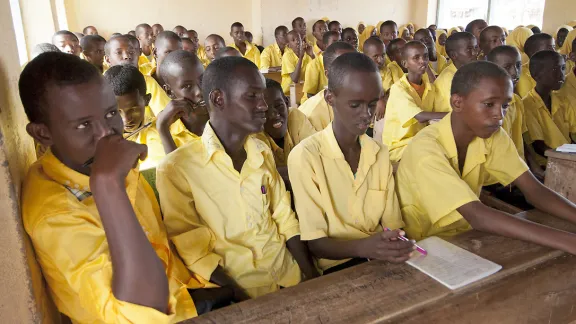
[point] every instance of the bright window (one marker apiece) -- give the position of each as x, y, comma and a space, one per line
19, 31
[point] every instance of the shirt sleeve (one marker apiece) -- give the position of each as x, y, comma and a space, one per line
405, 107
280, 205
535, 131
392, 217
256, 56
503, 162
300, 126
307, 195
265, 59
311, 79
193, 240
70, 246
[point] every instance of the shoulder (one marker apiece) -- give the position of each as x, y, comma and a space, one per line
189, 153
307, 149
312, 103
424, 145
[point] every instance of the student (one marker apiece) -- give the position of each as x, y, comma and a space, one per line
374, 48
42, 48
146, 38
271, 57
67, 42
361, 27
404, 33
411, 102
437, 62
441, 37
334, 25
388, 32
395, 69
90, 30
550, 115
294, 61
157, 29
97, 231
79, 36
181, 31
490, 38
318, 30
93, 50
317, 110
212, 44
227, 51
258, 250
199, 49
567, 47
569, 87
475, 27
534, 44
299, 25
534, 29
132, 33
350, 36
145, 68
342, 179
433, 27
561, 35
517, 38
285, 127
450, 160
165, 43
315, 79
369, 31
250, 39
119, 51
247, 50
189, 46
462, 48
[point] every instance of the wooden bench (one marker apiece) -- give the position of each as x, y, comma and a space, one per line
561, 174
536, 285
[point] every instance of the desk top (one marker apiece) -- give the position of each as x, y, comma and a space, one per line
561, 155
381, 292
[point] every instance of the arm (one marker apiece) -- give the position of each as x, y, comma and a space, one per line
175, 110
222, 279
301, 254
295, 76
427, 116
431, 75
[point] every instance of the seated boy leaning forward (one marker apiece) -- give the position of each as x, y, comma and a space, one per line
342, 179
97, 230
242, 232
315, 78
445, 166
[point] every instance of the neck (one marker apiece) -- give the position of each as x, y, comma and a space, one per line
415, 78
544, 92
232, 140
239, 43
198, 126
345, 139
146, 50
320, 44
282, 47
433, 57
462, 134
457, 64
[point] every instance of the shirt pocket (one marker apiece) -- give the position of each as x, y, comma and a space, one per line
374, 206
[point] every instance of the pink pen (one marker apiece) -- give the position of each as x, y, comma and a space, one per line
402, 238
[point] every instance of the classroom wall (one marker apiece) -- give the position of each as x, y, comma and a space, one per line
556, 13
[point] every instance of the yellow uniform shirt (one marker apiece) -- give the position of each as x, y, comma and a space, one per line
159, 99
569, 88
431, 187
394, 73
252, 53
387, 60
60, 215
333, 202
526, 82
399, 123
441, 65
317, 50
553, 127
215, 215
271, 57
142, 59
514, 124
319, 113
201, 53
298, 129
442, 86
149, 68
315, 79
289, 61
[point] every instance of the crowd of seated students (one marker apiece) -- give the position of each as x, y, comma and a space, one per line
174, 178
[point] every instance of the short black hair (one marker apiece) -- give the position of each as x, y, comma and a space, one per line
139, 28
318, 22
43, 48
63, 32
329, 54
423, 30
52, 68
502, 50
413, 44
563, 29
166, 36
133, 39
88, 41
373, 41
192, 31
236, 24
296, 20
393, 47
346, 63
218, 37
223, 50
279, 29
175, 58
109, 43
536, 30
180, 26
334, 22
273, 84
349, 30
125, 79
485, 31
246, 33
538, 61
115, 35
85, 30
453, 41
222, 74
388, 23
468, 77
329, 34
534, 41
471, 25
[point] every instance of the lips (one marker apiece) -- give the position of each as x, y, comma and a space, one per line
278, 124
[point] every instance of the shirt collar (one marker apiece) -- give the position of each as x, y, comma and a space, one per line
333, 151
541, 105
212, 145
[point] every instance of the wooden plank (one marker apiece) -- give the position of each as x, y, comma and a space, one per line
276, 76
379, 292
561, 174
561, 155
296, 93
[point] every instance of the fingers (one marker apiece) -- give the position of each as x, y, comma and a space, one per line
387, 235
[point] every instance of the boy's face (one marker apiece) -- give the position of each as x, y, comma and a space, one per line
416, 59
238, 35
68, 44
294, 42
189, 46
193, 35
211, 46
91, 31
249, 37
512, 64
164, 48
300, 27
181, 32
351, 38
132, 107
361, 28
157, 29
397, 54
388, 33
355, 101
426, 39
282, 38
277, 114
493, 39
562, 37
331, 40
442, 39
376, 53
145, 35
121, 52
319, 30
552, 74
336, 27
95, 54
485, 106
243, 106
467, 51
478, 27
405, 35
545, 45
78, 116
184, 82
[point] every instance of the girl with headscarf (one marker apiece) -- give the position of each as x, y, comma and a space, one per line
441, 37
517, 38
368, 32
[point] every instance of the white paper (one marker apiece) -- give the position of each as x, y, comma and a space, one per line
567, 148
451, 265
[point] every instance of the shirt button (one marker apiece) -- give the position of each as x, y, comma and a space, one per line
67, 182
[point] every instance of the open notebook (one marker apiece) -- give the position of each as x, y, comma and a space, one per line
567, 148
450, 265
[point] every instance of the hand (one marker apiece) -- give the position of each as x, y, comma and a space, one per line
175, 110
386, 246
240, 294
115, 157
309, 49
381, 107
310, 275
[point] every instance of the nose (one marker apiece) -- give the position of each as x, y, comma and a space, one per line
127, 56
261, 105
197, 94
68, 49
102, 129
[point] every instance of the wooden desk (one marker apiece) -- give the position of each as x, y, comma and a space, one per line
561, 174
276, 76
296, 93
536, 285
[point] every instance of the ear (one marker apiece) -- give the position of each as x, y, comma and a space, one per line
457, 102
216, 98
40, 133
147, 98
168, 91
326, 72
287, 101
107, 59
404, 64
329, 97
